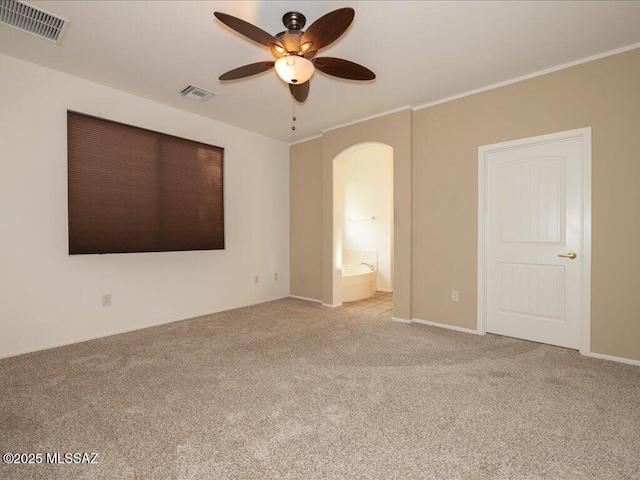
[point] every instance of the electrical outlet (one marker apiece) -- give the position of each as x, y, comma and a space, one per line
106, 300
256, 279
455, 296
275, 277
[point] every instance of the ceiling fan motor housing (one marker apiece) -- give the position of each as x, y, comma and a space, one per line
294, 20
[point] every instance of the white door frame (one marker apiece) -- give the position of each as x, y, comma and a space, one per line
584, 134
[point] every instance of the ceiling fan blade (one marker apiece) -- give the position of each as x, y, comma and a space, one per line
327, 28
300, 91
248, 30
246, 70
343, 68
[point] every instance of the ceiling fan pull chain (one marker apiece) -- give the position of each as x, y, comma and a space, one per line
293, 123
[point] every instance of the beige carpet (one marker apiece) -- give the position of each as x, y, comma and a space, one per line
289, 389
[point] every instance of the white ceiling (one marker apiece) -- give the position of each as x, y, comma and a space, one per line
421, 52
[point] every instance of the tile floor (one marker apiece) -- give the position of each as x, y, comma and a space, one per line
379, 304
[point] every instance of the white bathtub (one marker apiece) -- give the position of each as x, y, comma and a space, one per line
358, 282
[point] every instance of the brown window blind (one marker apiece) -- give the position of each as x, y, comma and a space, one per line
134, 190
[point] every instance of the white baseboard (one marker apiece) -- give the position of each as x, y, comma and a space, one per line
385, 291
401, 320
128, 330
601, 356
332, 305
306, 299
448, 327
50, 346
611, 358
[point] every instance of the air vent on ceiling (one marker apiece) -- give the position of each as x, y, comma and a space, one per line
35, 21
196, 93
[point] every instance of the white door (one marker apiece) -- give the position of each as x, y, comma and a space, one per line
534, 240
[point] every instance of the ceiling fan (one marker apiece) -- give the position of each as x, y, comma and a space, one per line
296, 50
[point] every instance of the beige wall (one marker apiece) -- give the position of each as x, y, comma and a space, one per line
305, 236
311, 196
393, 130
603, 94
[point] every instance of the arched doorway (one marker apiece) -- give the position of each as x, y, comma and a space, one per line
394, 130
363, 222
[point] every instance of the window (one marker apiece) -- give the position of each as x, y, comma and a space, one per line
135, 190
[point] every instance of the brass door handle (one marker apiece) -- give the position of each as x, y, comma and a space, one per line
570, 255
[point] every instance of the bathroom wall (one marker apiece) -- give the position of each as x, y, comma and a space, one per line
368, 205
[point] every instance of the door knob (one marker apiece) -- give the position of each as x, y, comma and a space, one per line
570, 255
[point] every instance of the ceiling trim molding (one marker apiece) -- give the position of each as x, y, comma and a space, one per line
306, 139
388, 112
480, 90
530, 75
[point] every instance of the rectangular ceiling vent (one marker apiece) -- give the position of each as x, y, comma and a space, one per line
33, 20
196, 93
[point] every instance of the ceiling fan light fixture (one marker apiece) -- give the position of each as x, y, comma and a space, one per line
294, 69
294, 48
